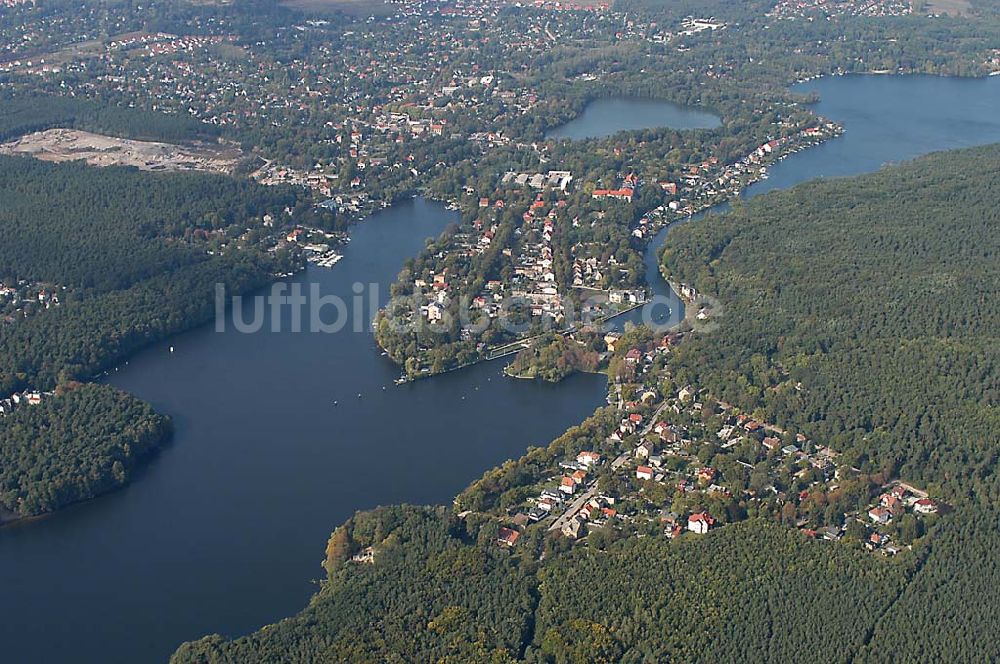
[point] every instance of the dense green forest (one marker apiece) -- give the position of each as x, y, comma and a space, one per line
135, 257
140, 253
441, 590
75, 445
752, 592
27, 113
107, 228
863, 311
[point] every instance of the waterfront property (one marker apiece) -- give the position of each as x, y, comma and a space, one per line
262, 456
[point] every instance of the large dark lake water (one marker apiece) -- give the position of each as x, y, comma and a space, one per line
225, 529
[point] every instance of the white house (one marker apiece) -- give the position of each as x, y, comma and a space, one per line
700, 523
879, 515
567, 486
643, 450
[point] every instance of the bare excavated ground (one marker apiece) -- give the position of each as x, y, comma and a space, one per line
59, 145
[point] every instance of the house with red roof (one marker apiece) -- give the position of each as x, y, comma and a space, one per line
700, 522
891, 503
879, 515
619, 194
508, 537
567, 486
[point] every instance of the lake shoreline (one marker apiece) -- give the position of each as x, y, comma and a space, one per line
746, 192
644, 113
240, 513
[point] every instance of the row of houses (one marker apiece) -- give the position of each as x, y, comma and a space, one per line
624, 192
19, 399
897, 500
553, 179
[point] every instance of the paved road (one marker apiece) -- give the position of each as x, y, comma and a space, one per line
584, 497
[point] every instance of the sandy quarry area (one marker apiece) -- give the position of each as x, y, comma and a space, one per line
69, 144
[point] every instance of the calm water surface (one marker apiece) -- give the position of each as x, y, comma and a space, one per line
891, 119
604, 117
888, 119
226, 527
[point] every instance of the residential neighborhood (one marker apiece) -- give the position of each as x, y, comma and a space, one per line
21, 298
679, 463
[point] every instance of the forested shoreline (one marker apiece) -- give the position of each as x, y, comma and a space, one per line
132, 258
83, 442
440, 588
136, 256
860, 317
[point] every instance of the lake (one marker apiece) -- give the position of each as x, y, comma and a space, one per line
888, 119
226, 527
604, 117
